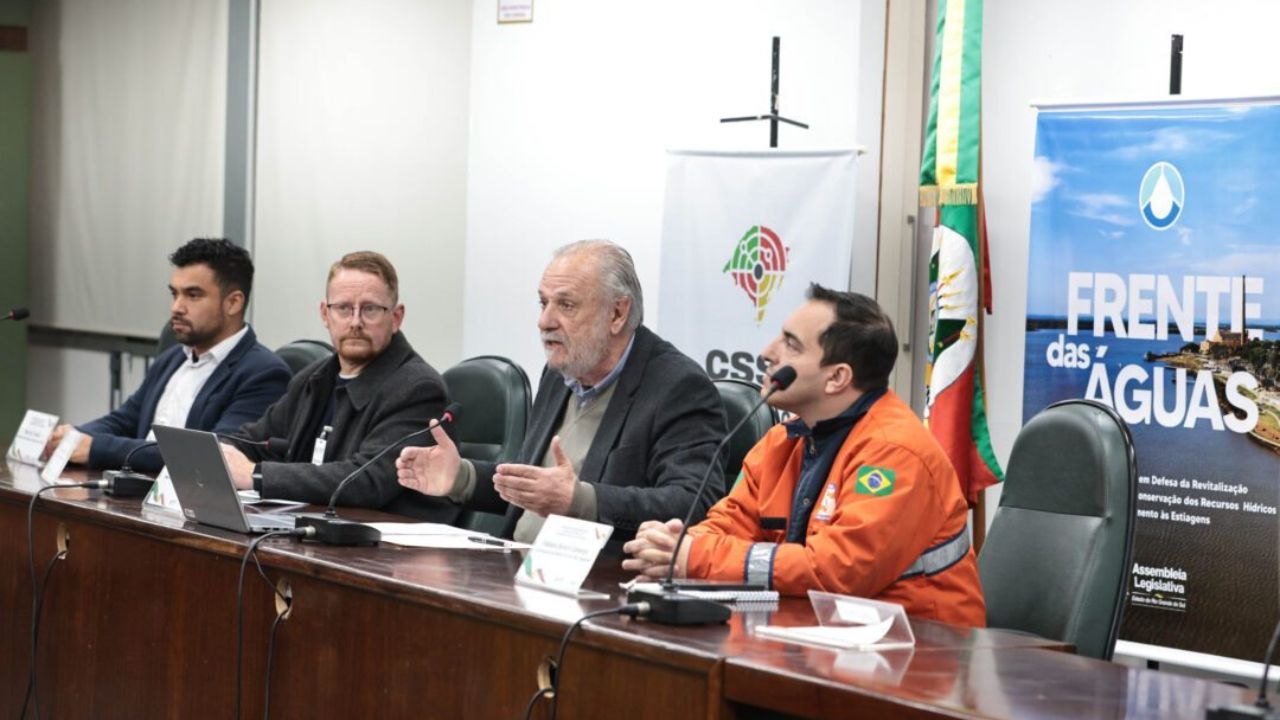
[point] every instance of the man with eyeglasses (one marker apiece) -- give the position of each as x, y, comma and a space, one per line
342, 410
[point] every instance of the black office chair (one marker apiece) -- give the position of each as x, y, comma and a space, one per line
496, 401
301, 353
167, 338
738, 398
1056, 559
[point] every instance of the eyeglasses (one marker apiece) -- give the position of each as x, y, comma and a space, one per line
368, 313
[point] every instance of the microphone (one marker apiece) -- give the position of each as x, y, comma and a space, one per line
125, 483
16, 314
333, 530
1261, 709
277, 446
669, 607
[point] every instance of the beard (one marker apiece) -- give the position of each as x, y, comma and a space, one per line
582, 354
190, 335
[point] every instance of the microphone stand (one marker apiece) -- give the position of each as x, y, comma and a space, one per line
1261, 709
330, 529
669, 606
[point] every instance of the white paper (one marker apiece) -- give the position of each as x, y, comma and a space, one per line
425, 528
835, 636
853, 613
33, 434
451, 542
563, 554
52, 472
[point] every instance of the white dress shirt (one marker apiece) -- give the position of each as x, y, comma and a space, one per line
185, 382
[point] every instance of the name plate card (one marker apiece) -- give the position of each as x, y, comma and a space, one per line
162, 494
52, 472
33, 435
563, 554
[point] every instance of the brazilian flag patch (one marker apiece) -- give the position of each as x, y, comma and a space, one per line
872, 480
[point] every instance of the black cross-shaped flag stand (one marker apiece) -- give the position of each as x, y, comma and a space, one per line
773, 117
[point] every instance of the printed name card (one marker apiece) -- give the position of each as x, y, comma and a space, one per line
52, 472
162, 494
33, 435
563, 554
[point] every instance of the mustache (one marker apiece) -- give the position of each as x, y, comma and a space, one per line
175, 320
355, 335
553, 337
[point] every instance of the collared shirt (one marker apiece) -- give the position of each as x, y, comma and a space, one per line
584, 393
186, 382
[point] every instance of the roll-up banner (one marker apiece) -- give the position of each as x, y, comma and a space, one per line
743, 235
1154, 287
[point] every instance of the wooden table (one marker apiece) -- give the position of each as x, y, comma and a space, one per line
139, 622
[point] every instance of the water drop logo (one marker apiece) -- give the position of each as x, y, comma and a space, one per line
1161, 196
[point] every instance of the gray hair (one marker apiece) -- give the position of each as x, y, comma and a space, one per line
617, 274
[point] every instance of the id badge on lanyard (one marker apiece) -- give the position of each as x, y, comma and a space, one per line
317, 453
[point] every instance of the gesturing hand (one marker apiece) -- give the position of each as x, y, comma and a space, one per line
429, 470
546, 491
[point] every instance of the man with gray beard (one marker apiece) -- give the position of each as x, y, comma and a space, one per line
624, 425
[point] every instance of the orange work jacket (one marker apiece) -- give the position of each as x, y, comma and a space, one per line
891, 495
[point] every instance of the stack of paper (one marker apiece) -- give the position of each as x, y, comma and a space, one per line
439, 535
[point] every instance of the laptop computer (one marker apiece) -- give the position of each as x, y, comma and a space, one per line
203, 483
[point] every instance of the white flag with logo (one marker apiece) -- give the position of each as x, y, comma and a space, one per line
743, 235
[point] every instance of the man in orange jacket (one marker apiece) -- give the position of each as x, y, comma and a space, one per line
852, 496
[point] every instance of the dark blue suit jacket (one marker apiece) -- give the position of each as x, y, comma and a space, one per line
239, 391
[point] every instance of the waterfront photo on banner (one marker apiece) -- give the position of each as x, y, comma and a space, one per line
1154, 287
743, 235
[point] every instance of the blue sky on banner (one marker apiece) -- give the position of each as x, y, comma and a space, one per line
1088, 172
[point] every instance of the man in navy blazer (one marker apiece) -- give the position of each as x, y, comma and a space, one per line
218, 378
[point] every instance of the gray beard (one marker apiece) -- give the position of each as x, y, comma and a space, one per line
586, 355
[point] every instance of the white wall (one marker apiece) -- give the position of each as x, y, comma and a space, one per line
362, 145
76, 384
571, 115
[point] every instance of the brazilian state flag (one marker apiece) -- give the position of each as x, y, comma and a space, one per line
959, 278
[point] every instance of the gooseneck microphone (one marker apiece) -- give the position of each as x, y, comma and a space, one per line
333, 530
16, 314
669, 607
277, 446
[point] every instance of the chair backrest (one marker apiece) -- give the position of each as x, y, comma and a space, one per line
167, 338
1056, 559
738, 398
495, 397
496, 403
301, 353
